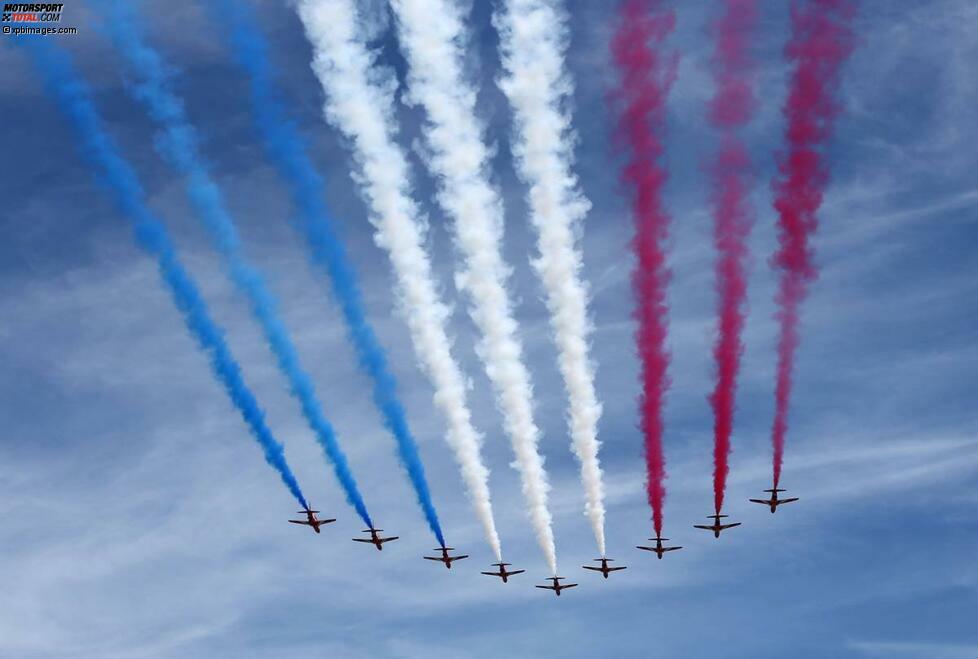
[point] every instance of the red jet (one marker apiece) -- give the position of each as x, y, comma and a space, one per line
503, 574
774, 501
311, 520
445, 558
557, 587
375, 539
716, 527
658, 549
604, 569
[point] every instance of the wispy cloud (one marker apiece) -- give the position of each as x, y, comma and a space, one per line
932, 650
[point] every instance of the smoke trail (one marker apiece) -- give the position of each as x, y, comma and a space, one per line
75, 101
538, 87
646, 76
286, 148
363, 110
730, 109
433, 43
821, 40
177, 143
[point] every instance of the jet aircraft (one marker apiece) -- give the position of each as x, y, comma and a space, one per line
375, 538
445, 558
716, 526
503, 573
605, 570
774, 501
311, 520
557, 586
658, 549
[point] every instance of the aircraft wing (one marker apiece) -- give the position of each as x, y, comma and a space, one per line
430, 558
570, 585
363, 540
762, 502
591, 567
393, 537
296, 521
612, 569
549, 587
458, 558
491, 574
700, 526
516, 572
730, 526
670, 548
788, 500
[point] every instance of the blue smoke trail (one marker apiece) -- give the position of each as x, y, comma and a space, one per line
177, 143
74, 99
286, 149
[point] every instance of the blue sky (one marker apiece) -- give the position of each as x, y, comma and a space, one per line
137, 518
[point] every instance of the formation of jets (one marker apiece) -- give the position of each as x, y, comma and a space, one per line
502, 573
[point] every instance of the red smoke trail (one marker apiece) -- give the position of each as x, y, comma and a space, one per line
646, 76
821, 40
731, 108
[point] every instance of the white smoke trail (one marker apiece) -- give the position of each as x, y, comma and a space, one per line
533, 43
362, 109
433, 40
